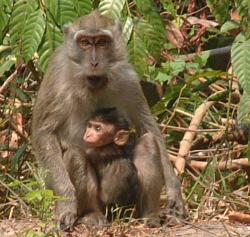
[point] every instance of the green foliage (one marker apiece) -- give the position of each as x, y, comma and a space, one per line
241, 60
154, 34
244, 109
53, 38
137, 48
33, 32
241, 66
170, 7
111, 8
219, 8
5, 10
19, 28
127, 29
83, 7
38, 28
41, 200
7, 64
243, 6
229, 25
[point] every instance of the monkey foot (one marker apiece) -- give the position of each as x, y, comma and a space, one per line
171, 216
152, 221
176, 208
67, 221
94, 219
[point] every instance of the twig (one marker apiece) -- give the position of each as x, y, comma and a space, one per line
191, 116
190, 130
17, 130
16, 196
8, 81
226, 229
222, 165
186, 142
240, 217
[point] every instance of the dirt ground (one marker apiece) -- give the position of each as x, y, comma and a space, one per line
32, 227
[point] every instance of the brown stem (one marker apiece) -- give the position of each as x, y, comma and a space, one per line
186, 143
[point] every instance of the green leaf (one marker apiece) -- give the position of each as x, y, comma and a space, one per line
241, 60
6, 65
53, 38
111, 8
244, 109
21, 94
61, 11
229, 25
67, 12
162, 77
170, 7
127, 29
243, 7
83, 7
201, 59
154, 35
18, 155
177, 67
4, 17
219, 8
138, 53
20, 15
40, 195
33, 32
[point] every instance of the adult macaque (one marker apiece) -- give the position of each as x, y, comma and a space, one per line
110, 145
91, 71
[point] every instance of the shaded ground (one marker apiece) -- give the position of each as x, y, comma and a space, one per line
32, 227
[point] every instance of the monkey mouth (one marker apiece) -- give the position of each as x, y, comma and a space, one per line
96, 82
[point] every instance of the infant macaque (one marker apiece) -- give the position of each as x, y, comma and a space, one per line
110, 144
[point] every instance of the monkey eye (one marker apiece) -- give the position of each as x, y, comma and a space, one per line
102, 42
84, 43
97, 128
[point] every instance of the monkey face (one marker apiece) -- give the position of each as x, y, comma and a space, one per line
96, 51
94, 44
99, 134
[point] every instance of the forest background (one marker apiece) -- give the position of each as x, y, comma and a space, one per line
193, 58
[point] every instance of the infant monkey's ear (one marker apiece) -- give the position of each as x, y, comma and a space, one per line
121, 137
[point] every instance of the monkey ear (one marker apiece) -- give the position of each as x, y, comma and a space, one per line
121, 137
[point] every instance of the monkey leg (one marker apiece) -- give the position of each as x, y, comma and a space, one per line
146, 160
84, 180
49, 154
175, 205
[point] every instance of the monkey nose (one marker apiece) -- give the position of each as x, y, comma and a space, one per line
94, 64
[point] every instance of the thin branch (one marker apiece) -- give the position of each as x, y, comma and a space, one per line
186, 143
8, 81
221, 165
240, 217
16, 196
190, 130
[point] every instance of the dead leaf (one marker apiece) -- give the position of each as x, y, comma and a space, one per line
195, 20
174, 35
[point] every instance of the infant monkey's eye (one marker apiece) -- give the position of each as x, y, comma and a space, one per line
98, 128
